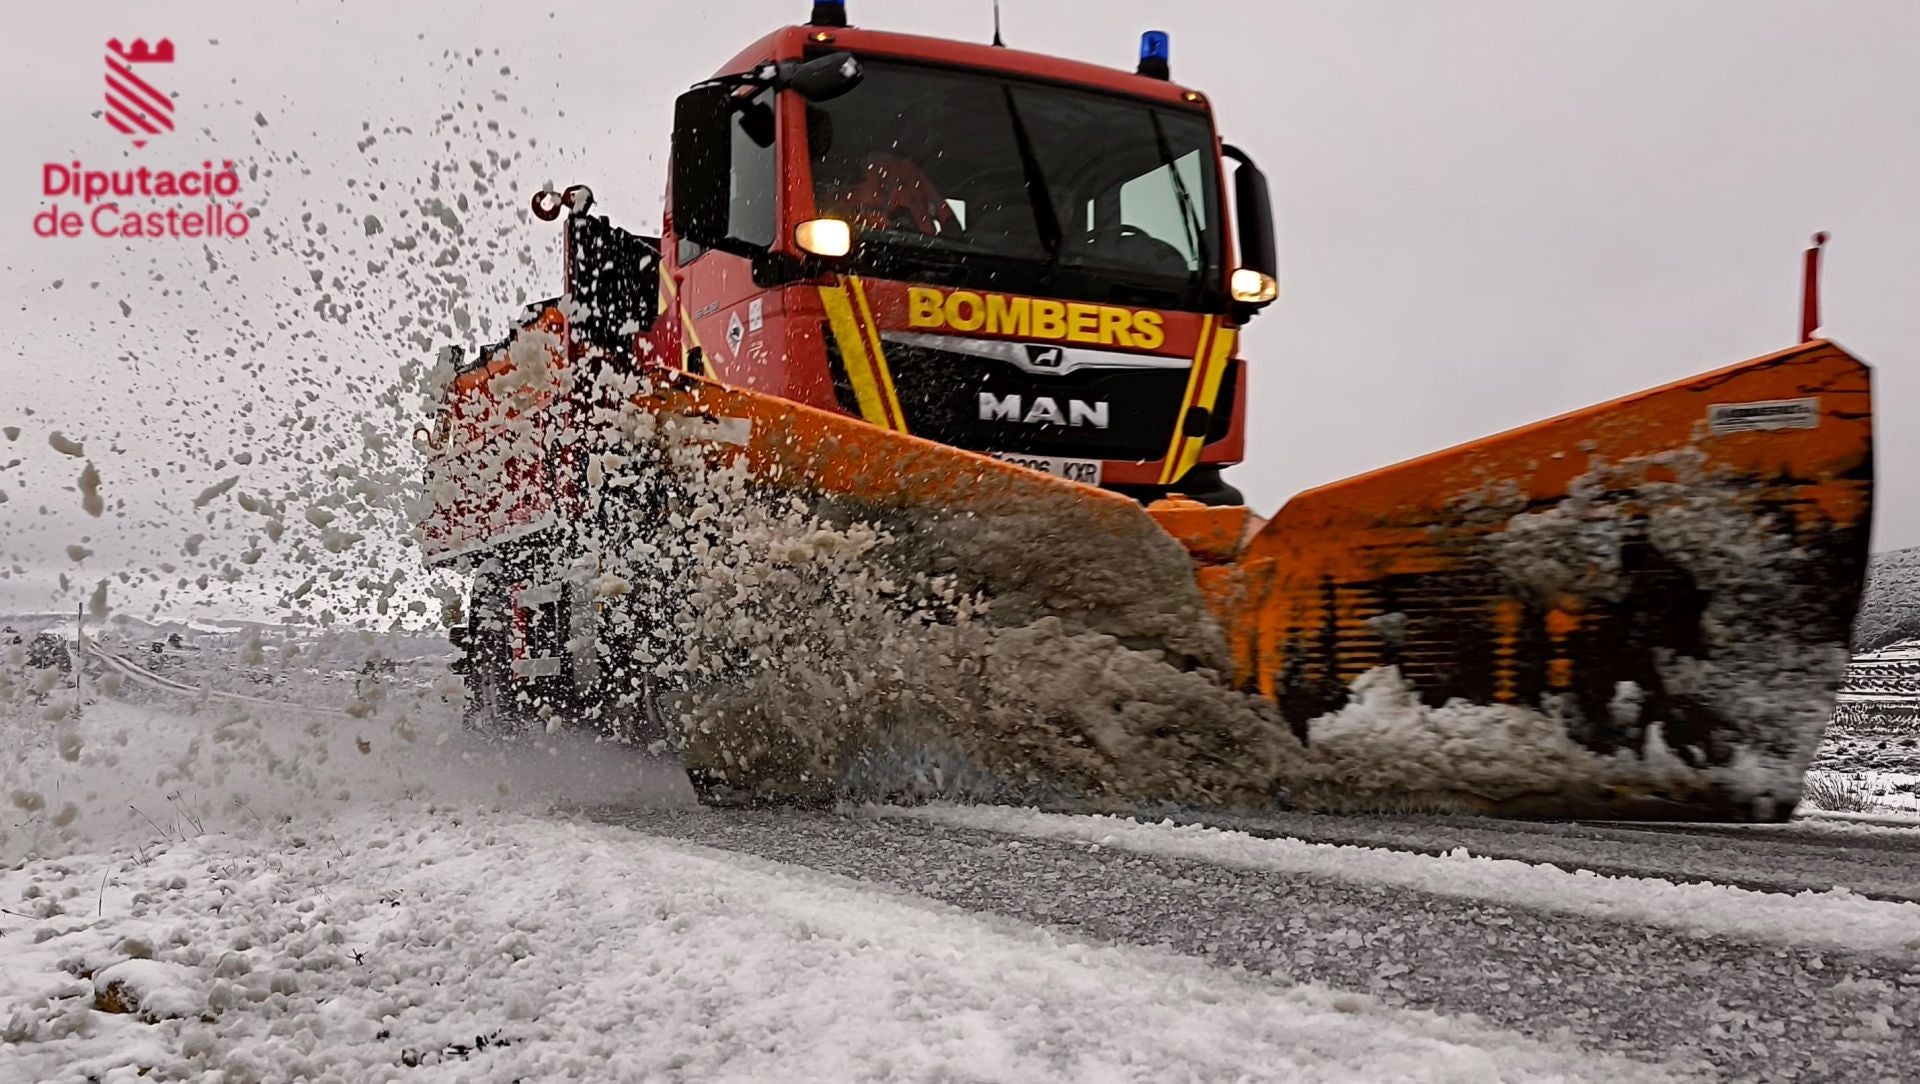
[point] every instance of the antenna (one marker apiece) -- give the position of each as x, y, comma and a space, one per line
996, 26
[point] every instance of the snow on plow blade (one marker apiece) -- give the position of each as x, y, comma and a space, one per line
1659, 590
1096, 670
1637, 610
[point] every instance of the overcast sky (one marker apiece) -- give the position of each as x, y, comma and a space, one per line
1489, 212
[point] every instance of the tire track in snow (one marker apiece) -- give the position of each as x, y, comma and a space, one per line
1835, 920
1762, 858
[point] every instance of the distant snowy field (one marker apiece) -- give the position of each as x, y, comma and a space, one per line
244, 894
1870, 759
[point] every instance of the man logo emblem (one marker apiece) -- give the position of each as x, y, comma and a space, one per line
1043, 410
1045, 357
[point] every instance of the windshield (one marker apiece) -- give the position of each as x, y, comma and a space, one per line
974, 180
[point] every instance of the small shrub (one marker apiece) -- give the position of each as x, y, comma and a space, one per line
1839, 793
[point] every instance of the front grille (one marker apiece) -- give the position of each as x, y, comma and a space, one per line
940, 391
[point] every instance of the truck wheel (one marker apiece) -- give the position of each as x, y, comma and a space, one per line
638, 715
714, 792
491, 708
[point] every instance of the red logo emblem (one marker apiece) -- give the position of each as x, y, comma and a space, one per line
134, 106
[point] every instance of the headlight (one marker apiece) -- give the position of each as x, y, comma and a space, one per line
1250, 286
824, 237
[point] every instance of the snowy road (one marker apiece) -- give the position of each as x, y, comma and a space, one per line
412, 943
1730, 1007
290, 897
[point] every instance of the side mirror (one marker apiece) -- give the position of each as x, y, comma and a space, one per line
1255, 210
702, 163
1253, 204
822, 78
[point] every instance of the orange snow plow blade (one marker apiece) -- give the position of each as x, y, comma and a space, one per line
1673, 576
1637, 610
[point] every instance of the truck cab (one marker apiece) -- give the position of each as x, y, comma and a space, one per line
1013, 254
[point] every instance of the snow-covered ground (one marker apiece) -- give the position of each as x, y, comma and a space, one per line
218, 886
130, 771
1866, 791
249, 895
1870, 759
501, 946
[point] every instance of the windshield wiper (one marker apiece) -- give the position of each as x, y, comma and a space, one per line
1045, 218
1189, 218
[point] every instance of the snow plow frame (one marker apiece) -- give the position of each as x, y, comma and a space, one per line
1393, 569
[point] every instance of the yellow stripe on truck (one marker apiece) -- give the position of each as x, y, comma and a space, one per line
689, 338
1200, 353
888, 395
853, 353
1209, 395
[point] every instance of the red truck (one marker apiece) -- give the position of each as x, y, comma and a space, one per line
918, 277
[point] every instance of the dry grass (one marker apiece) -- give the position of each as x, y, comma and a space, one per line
1838, 793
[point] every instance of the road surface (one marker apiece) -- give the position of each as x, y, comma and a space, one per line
1728, 1007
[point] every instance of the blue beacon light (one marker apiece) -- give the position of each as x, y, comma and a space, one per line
1155, 48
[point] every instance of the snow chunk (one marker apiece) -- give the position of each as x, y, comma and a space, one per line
215, 492
1387, 749
154, 989
90, 498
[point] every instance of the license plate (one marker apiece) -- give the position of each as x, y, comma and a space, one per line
1086, 471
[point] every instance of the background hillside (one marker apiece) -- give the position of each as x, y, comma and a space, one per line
1890, 612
